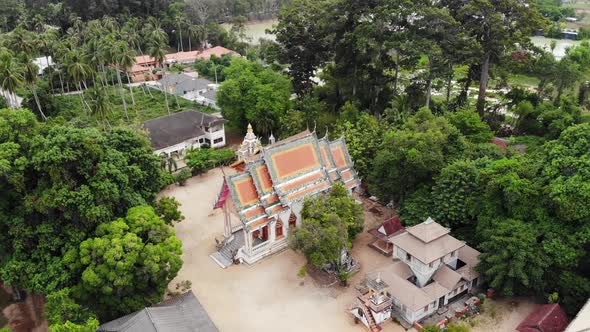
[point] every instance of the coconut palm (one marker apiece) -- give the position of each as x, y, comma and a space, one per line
126, 61
30, 78
194, 30
11, 77
157, 51
118, 49
78, 70
101, 105
46, 41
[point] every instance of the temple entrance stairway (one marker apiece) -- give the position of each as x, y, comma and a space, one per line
225, 256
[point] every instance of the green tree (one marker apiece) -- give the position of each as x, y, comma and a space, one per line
253, 94
303, 44
127, 264
11, 77
203, 159
64, 182
498, 26
167, 209
453, 191
471, 126
512, 260
329, 225
363, 138
413, 155
61, 308
30, 78
90, 325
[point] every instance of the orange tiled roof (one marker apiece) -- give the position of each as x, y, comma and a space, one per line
288, 171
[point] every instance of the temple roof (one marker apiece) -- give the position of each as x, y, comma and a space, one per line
288, 171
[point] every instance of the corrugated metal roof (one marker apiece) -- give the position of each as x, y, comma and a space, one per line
183, 313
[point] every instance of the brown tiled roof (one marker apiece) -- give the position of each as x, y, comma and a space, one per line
427, 252
446, 277
469, 255
467, 273
406, 292
435, 290
428, 231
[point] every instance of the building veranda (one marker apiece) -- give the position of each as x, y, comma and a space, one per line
269, 190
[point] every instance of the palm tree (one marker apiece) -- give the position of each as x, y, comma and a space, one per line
78, 70
196, 31
46, 41
126, 61
169, 161
11, 77
156, 51
101, 105
118, 49
30, 77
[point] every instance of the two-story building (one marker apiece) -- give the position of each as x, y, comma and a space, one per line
176, 133
430, 269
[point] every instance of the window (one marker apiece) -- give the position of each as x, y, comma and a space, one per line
218, 140
430, 265
207, 141
426, 309
408, 257
453, 254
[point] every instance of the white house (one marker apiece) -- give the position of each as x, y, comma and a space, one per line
430, 270
185, 130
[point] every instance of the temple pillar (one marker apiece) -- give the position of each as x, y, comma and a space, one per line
248, 241
272, 231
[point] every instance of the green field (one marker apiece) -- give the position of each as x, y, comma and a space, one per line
146, 107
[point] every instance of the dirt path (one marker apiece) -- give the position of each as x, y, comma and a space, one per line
509, 313
266, 296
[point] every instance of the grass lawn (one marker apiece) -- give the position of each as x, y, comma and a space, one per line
523, 80
146, 107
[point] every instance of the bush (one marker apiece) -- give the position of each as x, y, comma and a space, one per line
302, 272
203, 159
181, 177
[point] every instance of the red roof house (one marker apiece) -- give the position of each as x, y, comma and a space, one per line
545, 318
383, 233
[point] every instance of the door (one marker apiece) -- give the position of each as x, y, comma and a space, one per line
264, 233
279, 229
441, 301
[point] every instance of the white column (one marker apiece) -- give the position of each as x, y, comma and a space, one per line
248, 241
272, 236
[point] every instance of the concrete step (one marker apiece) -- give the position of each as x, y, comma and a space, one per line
221, 260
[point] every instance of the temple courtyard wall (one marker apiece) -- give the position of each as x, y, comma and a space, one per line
266, 296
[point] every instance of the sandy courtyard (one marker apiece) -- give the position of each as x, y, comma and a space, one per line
267, 296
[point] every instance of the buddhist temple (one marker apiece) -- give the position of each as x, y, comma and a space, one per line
269, 189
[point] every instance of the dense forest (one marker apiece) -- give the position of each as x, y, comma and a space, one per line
417, 88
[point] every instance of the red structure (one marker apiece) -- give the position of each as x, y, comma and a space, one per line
545, 318
383, 233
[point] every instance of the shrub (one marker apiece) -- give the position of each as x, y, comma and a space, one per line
181, 177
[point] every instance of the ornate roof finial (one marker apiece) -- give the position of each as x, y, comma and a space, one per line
250, 128
327, 137
314, 125
271, 138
